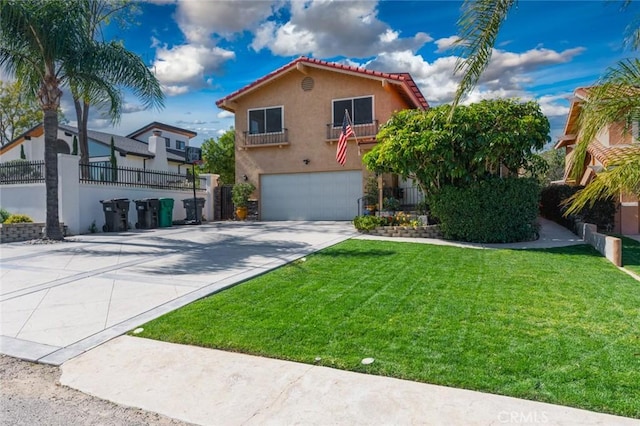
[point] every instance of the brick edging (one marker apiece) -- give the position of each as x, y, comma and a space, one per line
427, 231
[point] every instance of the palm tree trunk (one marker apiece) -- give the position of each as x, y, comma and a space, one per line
82, 115
49, 95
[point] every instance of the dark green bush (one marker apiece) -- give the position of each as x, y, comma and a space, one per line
601, 214
491, 211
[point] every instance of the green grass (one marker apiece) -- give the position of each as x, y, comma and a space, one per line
630, 254
556, 325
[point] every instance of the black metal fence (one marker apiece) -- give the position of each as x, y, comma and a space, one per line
21, 171
266, 138
360, 130
103, 173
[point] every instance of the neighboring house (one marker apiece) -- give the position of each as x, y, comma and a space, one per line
133, 150
613, 140
287, 125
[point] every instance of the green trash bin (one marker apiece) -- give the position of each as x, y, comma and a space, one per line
165, 213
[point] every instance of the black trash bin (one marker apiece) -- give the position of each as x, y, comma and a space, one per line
190, 207
116, 214
148, 210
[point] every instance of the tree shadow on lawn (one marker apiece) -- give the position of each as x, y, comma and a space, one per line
630, 252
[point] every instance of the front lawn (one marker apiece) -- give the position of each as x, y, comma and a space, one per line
556, 325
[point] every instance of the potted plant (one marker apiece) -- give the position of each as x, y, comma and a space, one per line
371, 194
240, 196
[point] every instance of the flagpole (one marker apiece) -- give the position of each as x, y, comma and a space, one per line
346, 111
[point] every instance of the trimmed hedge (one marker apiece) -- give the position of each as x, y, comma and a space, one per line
490, 211
601, 214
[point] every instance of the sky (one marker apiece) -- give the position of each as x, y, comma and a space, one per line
202, 50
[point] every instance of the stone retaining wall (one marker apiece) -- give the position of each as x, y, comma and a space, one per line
14, 232
429, 231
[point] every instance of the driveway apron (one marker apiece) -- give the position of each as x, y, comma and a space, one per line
60, 300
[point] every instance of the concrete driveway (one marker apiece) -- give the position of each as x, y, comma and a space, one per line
60, 300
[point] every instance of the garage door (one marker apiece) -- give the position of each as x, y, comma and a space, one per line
310, 196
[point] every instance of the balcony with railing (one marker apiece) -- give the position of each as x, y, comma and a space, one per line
258, 140
366, 131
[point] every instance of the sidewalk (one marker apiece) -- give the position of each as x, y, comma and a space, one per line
210, 387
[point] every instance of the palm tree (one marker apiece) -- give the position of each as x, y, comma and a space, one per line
45, 44
138, 77
615, 98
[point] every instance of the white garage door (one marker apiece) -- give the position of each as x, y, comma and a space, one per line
310, 196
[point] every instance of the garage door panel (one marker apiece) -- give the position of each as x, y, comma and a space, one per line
310, 196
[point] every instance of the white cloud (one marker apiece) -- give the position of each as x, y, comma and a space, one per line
185, 67
507, 75
324, 28
446, 43
550, 106
225, 114
199, 19
129, 108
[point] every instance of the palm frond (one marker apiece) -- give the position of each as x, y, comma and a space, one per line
616, 98
623, 176
478, 25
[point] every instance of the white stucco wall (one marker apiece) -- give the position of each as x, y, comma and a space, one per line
79, 203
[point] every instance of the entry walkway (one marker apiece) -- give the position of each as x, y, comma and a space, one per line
60, 300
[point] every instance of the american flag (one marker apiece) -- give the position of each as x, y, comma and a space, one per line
346, 133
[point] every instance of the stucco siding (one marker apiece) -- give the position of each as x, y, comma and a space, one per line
306, 115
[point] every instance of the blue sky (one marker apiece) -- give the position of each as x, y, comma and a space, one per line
202, 50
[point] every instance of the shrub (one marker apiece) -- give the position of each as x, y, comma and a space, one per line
490, 211
18, 218
391, 204
4, 215
241, 192
602, 213
368, 223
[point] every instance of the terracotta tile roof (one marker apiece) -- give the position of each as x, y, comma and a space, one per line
404, 79
607, 155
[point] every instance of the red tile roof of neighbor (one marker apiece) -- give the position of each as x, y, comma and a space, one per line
403, 79
607, 155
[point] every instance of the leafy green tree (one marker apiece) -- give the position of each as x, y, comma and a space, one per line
615, 97
18, 111
427, 147
46, 44
219, 156
23, 156
555, 166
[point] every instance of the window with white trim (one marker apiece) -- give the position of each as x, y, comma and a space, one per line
180, 145
265, 120
167, 142
360, 110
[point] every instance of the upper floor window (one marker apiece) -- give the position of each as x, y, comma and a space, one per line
265, 120
180, 144
167, 142
360, 110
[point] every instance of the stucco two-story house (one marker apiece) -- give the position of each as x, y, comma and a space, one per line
287, 126
611, 141
133, 150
